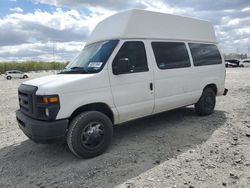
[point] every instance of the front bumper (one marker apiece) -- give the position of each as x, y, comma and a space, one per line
42, 131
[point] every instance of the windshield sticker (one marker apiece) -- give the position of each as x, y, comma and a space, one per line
95, 64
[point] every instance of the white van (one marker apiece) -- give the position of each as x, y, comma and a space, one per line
136, 63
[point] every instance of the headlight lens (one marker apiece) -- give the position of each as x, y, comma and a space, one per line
47, 106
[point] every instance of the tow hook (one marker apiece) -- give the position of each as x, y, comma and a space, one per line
225, 92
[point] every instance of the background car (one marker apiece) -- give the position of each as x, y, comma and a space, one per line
15, 74
245, 63
232, 63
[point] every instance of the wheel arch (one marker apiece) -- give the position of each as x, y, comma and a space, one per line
213, 87
99, 106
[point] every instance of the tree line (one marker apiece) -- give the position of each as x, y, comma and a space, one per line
31, 66
235, 56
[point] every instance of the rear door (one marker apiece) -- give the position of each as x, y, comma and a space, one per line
19, 74
173, 75
132, 91
14, 74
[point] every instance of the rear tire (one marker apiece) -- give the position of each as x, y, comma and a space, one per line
90, 134
8, 78
25, 76
205, 105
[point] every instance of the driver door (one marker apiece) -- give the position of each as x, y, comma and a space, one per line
132, 91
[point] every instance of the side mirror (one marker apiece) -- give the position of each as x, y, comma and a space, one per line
121, 66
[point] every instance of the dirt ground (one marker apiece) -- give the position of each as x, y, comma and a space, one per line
171, 149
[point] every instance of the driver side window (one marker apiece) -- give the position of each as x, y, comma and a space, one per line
134, 52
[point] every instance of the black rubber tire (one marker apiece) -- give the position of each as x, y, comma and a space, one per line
8, 78
25, 76
205, 105
76, 128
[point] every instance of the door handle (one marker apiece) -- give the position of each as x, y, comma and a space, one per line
151, 86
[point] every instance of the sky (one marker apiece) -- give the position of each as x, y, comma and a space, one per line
48, 30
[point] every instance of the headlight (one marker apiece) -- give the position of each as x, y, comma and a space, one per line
47, 107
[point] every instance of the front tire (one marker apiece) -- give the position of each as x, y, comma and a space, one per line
8, 78
205, 105
25, 76
90, 134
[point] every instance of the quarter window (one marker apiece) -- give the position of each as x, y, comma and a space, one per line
134, 52
205, 54
169, 55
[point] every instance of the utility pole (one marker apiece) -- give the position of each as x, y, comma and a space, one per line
53, 51
248, 53
52, 44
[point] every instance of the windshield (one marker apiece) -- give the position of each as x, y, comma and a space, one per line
91, 59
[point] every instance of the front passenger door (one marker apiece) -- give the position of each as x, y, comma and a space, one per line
14, 74
18, 74
132, 91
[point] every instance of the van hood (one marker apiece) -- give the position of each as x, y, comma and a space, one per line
58, 79
64, 83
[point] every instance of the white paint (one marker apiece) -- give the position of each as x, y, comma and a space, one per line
129, 95
145, 24
245, 63
15, 74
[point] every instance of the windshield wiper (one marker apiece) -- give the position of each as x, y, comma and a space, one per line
72, 68
75, 70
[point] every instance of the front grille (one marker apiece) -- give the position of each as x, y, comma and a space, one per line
24, 102
26, 97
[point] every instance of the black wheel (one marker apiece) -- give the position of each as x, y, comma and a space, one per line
8, 77
25, 76
90, 134
206, 103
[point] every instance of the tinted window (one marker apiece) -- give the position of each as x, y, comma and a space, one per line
233, 61
205, 54
169, 55
135, 52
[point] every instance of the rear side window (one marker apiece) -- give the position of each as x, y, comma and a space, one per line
135, 52
169, 55
205, 54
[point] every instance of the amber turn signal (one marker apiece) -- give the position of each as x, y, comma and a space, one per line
47, 100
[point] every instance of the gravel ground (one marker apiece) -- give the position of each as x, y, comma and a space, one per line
171, 149
223, 160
